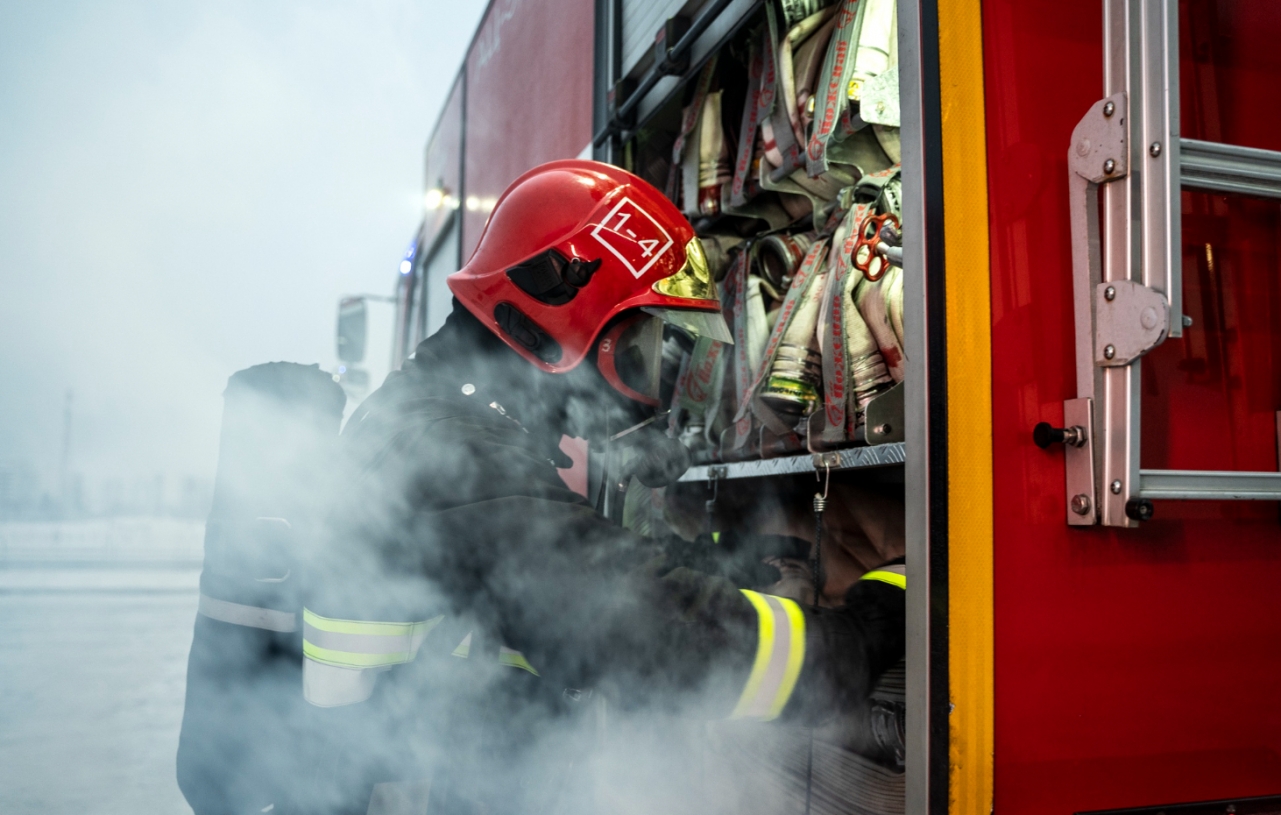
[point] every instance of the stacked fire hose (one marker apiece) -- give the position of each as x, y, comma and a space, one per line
793, 184
801, 214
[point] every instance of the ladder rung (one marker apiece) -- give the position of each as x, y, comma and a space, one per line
1209, 485
1229, 168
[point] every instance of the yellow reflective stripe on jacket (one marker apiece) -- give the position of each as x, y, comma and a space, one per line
895, 575
362, 643
780, 651
464, 648
514, 659
506, 656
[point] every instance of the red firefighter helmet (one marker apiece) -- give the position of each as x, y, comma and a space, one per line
572, 245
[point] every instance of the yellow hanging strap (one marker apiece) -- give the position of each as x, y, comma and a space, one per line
780, 651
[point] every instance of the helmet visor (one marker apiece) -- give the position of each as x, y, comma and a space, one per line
630, 356
708, 324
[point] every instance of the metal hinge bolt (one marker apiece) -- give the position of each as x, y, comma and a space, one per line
1116, 487
1081, 504
1110, 293
1109, 166
1155, 149
1108, 109
1109, 351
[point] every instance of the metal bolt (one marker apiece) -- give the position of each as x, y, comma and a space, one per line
1108, 109
1109, 351
1081, 504
1109, 293
1187, 321
469, 389
1155, 149
1109, 167
883, 429
1116, 487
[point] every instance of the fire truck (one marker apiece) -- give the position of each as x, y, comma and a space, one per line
1083, 428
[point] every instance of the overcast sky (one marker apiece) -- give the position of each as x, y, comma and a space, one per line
186, 188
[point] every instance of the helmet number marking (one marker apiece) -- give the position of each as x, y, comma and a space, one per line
633, 236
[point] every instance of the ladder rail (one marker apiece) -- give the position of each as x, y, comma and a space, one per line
1229, 168
1209, 485
1127, 168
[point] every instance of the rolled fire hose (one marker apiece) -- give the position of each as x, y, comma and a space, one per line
868, 374
796, 376
713, 157
874, 302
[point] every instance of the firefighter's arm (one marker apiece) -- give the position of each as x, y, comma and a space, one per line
591, 601
791, 660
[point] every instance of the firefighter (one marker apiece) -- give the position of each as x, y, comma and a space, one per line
466, 597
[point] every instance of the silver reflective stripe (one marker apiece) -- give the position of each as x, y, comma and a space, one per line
331, 686
364, 643
268, 619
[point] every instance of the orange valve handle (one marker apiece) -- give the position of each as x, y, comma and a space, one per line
866, 257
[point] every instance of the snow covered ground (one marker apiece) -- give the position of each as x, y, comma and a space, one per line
97, 618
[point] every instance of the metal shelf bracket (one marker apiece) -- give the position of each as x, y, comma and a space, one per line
849, 458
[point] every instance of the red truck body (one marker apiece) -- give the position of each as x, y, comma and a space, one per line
1052, 669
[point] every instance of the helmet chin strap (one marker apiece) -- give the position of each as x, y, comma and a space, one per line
624, 433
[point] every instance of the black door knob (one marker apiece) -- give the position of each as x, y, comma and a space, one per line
1045, 434
1139, 509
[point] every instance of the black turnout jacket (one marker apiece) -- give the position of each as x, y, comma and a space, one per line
449, 511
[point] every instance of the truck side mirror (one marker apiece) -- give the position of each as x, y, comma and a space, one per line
353, 327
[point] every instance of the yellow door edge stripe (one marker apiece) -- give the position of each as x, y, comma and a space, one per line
893, 578
969, 392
